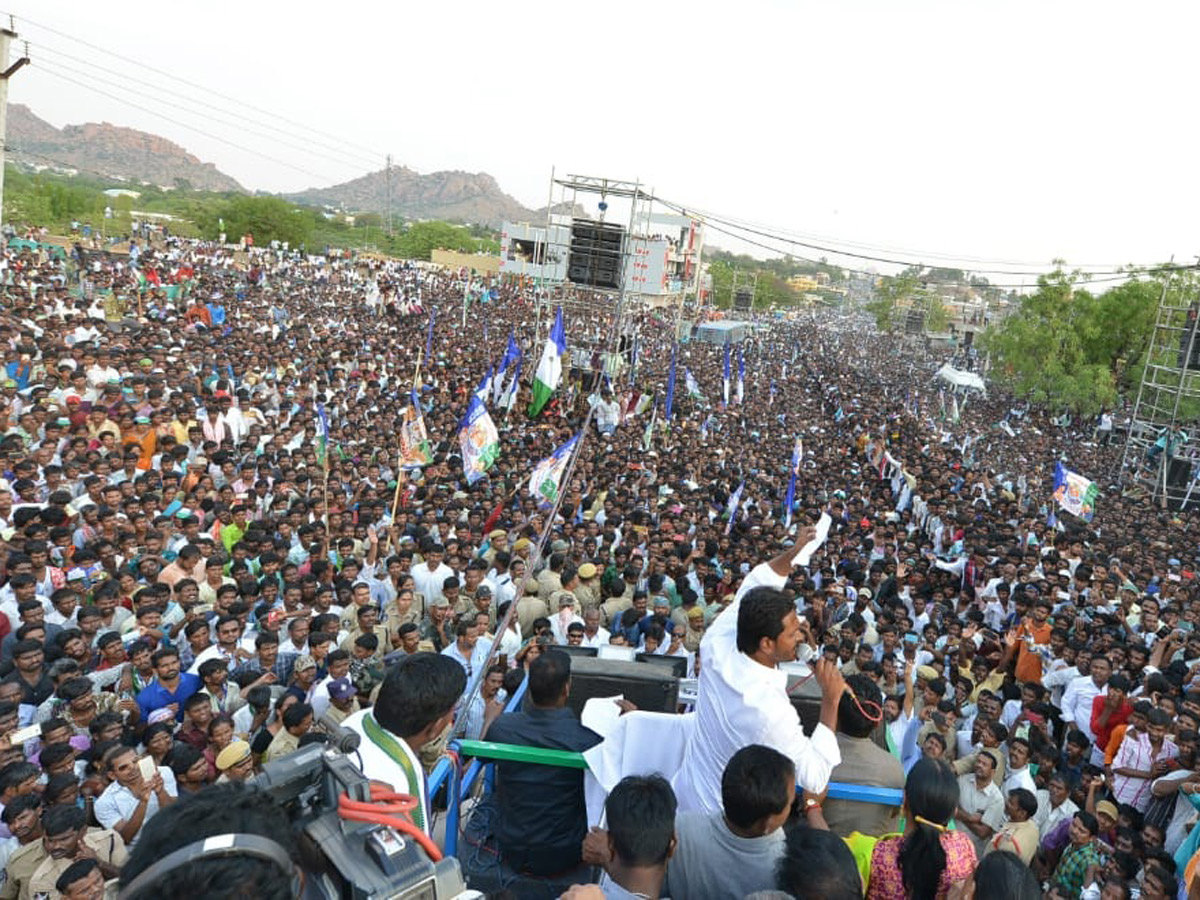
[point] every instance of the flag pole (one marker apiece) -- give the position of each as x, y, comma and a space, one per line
395, 505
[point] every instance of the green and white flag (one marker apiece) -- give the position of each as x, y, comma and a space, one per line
549, 370
546, 480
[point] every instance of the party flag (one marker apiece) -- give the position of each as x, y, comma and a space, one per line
478, 440
741, 379
546, 480
549, 370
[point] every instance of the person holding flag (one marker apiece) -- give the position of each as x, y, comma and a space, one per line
741, 380
725, 376
789, 500
549, 370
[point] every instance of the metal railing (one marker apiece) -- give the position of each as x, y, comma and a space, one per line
460, 781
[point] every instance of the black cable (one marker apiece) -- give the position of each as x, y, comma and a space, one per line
1127, 276
349, 158
201, 131
191, 84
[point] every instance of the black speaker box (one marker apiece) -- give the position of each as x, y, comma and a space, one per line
651, 688
594, 258
805, 695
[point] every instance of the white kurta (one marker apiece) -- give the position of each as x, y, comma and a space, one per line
741, 702
378, 766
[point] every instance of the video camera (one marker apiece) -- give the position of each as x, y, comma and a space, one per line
343, 859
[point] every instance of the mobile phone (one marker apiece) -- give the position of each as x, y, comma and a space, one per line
147, 767
28, 733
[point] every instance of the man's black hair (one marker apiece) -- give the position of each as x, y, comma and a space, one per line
641, 820
60, 819
761, 615
758, 782
548, 676
76, 871
852, 717
817, 865
417, 691
219, 809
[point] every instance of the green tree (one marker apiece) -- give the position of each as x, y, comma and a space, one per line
267, 218
893, 291
420, 239
1068, 348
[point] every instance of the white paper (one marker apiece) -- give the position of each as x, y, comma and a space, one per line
802, 558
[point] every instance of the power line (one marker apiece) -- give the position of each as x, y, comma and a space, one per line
54, 68
374, 154
863, 256
921, 254
242, 147
359, 157
709, 223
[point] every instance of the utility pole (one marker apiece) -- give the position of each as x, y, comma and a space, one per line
6, 72
389, 194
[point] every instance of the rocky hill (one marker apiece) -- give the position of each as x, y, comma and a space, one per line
100, 148
455, 196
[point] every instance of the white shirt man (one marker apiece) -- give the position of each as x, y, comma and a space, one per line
1077, 703
742, 701
429, 581
401, 768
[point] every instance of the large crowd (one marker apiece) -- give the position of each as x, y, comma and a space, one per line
199, 577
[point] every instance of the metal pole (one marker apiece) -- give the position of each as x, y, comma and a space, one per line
6, 36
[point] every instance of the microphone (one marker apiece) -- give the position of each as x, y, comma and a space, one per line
341, 739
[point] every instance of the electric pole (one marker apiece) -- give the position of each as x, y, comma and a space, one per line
6, 72
389, 194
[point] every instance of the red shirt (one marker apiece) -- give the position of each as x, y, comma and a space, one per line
1119, 717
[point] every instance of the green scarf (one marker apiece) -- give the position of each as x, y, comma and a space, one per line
392, 749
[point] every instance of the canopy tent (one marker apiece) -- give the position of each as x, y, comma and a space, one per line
961, 378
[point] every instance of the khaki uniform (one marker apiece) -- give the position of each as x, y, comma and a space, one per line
106, 844
19, 872
530, 608
612, 608
588, 593
548, 582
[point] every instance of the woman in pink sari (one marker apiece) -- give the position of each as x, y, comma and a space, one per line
925, 861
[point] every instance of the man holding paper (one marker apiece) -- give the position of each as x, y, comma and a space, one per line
742, 697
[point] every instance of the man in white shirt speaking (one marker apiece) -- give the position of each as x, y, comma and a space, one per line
742, 697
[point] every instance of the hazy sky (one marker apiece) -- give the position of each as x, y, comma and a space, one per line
1015, 132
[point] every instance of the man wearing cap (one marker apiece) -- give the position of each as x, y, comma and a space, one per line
235, 762
564, 615
343, 700
497, 543
587, 591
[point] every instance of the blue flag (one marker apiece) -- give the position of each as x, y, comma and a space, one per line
512, 353
734, 500
546, 481
671, 384
322, 434
790, 500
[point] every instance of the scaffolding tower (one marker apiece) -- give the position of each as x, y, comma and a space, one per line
743, 284
614, 320
1162, 447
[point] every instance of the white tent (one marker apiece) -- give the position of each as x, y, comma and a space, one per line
961, 378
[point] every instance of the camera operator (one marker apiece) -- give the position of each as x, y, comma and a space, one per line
224, 809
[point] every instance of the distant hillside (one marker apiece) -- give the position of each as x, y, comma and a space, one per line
101, 148
455, 196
